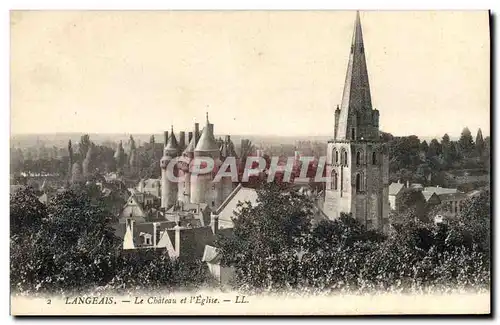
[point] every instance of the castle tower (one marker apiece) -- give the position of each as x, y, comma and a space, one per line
203, 190
227, 150
168, 186
184, 186
357, 162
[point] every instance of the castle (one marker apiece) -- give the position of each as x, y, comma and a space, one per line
357, 161
196, 188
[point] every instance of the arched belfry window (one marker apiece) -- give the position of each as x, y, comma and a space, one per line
336, 153
358, 182
335, 182
359, 158
344, 157
374, 158
353, 134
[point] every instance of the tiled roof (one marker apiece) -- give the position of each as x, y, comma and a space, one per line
395, 188
239, 194
15, 188
440, 190
427, 195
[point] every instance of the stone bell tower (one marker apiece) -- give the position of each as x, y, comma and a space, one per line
357, 162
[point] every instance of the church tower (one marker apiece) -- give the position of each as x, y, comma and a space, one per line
357, 161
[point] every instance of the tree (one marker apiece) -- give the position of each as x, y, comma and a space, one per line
268, 238
466, 143
79, 237
479, 143
76, 174
88, 164
434, 149
120, 157
84, 145
26, 212
475, 216
424, 147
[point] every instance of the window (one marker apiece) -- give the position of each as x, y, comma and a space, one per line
353, 134
147, 239
374, 158
336, 156
358, 182
334, 180
358, 158
344, 157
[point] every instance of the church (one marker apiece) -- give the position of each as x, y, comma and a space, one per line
357, 161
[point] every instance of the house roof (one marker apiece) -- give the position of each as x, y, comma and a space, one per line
194, 240
152, 183
395, 188
416, 186
16, 188
474, 193
239, 194
211, 255
440, 190
452, 196
428, 195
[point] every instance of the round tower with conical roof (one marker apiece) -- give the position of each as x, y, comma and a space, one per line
203, 189
168, 184
184, 185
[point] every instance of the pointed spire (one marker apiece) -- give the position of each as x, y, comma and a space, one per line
356, 98
172, 147
207, 140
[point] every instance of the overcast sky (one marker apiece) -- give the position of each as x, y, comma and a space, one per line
269, 73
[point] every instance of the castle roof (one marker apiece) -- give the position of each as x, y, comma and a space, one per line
191, 146
172, 146
356, 97
207, 140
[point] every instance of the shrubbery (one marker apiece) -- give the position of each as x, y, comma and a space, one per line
69, 247
341, 256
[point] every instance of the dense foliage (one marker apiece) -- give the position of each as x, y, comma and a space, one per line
274, 249
69, 246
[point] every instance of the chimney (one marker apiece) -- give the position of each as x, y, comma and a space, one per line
165, 138
155, 225
182, 140
196, 133
132, 222
214, 223
190, 136
177, 246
